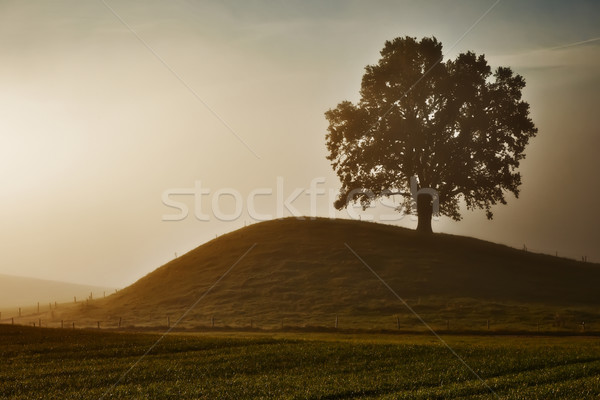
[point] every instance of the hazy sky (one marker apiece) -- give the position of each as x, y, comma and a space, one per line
97, 123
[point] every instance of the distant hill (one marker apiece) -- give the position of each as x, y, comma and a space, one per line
17, 291
302, 273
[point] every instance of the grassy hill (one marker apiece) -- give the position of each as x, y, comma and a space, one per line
301, 273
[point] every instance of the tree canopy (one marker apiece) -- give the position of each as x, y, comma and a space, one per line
455, 127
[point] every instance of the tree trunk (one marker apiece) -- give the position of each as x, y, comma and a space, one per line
424, 212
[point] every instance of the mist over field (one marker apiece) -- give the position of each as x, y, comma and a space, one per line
16, 291
300, 199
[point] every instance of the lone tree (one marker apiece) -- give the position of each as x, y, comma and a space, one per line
453, 129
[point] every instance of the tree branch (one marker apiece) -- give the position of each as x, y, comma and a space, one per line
397, 193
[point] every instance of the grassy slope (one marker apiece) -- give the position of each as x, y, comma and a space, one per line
301, 273
58, 364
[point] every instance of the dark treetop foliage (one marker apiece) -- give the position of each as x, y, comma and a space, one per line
455, 125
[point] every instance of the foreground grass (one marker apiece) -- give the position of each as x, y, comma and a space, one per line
56, 364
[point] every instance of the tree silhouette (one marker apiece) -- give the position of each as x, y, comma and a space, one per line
453, 128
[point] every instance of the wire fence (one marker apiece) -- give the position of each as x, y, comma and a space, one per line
400, 323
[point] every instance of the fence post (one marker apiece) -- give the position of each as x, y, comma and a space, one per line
397, 321
336, 321
74, 299
38, 307
98, 324
19, 311
119, 322
73, 324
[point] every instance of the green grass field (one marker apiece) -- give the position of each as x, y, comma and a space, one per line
74, 364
